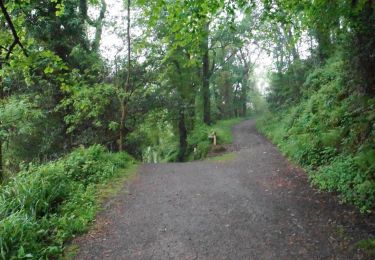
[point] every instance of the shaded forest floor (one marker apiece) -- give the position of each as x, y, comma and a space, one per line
250, 204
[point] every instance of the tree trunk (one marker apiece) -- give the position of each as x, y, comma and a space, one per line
122, 126
123, 104
362, 46
243, 100
244, 89
324, 43
183, 135
206, 78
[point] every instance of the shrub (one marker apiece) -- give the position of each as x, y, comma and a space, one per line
93, 165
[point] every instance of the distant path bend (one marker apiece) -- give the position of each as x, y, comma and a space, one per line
256, 206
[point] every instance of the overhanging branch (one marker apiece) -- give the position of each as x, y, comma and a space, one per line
16, 39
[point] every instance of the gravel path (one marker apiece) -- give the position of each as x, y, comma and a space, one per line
255, 206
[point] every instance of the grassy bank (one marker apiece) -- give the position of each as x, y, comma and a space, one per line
44, 206
331, 133
332, 159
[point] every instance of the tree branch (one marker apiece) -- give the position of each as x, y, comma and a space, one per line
98, 24
225, 61
16, 39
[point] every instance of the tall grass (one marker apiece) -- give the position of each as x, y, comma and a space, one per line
43, 206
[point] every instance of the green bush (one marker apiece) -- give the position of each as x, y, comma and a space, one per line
45, 205
93, 165
344, 175
198, 140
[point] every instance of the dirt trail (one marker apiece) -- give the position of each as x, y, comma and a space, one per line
256, 206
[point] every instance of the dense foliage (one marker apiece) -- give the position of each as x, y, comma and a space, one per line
64, 93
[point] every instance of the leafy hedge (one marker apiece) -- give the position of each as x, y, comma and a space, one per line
45, 205
330, 132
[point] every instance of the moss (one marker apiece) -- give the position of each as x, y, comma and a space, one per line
113, 187
368, 245
222, 158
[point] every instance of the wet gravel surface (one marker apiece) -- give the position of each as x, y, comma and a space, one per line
255, 206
